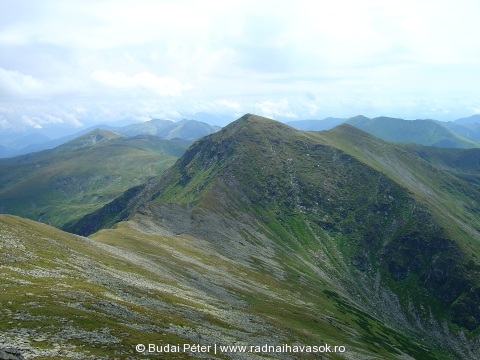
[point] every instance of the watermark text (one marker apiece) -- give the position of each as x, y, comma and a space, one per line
224, 349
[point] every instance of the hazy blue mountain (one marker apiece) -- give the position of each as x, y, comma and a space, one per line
6, 152
212, 119
470, 131
151, 127
30, 140
424, 132
35, 141
468, 127
36, 145
474, 119
316, 125
167, 129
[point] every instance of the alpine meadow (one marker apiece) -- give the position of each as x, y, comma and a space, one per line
259, 235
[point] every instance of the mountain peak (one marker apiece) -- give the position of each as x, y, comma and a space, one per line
91, 138
358, 118
255, 119
252, 123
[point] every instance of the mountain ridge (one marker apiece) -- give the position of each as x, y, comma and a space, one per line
423, 132
458, 134
185, 129
379, 226
194, 129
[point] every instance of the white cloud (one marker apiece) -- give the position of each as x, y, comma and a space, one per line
243, 56
21, 115
274, 109
162, 86
229, 104
34, 122
219, 106
15, 84
19, 85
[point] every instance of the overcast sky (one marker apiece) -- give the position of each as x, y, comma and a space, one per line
78, 62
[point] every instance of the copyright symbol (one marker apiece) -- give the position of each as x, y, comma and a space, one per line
140, 348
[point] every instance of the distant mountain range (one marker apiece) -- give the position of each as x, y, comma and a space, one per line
463, 133
468, 127
316, 125
167, 129
423, 132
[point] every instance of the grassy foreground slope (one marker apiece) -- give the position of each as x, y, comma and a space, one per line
69, 297
362, 231
65, 296
63, 184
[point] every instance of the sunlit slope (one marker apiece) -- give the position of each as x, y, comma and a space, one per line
331, 210
66, 296
60, 185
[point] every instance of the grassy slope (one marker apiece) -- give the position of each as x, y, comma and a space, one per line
460, 162
74, 296
65, 296
60, 185
435, 177
447, 187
